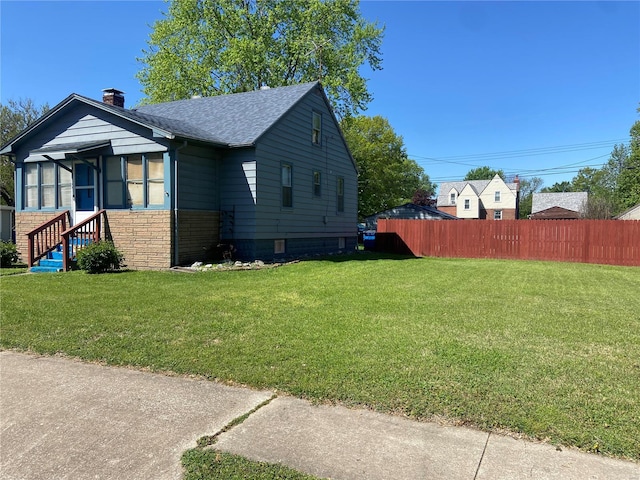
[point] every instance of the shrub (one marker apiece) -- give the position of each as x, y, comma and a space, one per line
100, 257
8, 254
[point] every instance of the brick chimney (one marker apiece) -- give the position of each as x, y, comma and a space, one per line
517, 182
113, 96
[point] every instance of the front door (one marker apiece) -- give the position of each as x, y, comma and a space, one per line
84, 181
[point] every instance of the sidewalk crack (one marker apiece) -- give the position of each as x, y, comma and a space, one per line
209, 440
482, 456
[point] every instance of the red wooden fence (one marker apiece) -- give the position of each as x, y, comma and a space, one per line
613, 242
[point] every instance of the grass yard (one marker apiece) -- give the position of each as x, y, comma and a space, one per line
550, 350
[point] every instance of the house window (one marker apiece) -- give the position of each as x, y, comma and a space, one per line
155, 179
467, 204
452, 199
65, 188
114, 177
287, 190
137, 178
279, 246
342, 243
497, 196
47, 185
340, 194
317, 191
135, 181
497, 215
31, 186
316, 128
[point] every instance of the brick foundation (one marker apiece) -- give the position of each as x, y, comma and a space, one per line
143, 237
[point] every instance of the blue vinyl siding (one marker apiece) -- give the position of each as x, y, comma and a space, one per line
198, 172
290, 142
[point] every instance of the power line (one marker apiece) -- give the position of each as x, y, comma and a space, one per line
576, 147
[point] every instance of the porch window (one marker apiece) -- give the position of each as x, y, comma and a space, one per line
135, 181
155, 179
114, 179
65, 187
31, 186
47, 185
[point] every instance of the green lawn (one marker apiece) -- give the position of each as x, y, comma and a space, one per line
551, 350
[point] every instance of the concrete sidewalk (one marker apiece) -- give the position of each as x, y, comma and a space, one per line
63, 419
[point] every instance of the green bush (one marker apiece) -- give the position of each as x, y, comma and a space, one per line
8, 254
100, 257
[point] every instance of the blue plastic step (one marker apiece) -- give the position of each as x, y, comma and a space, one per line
50, 262
40, 269
56, 255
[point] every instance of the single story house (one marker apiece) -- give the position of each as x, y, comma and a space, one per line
266, 171
481, 199
408, 211
558, 205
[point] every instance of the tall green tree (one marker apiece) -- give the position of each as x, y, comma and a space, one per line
527, 188
15, 116
558, 187
387, 177
628, 182
213, 47
483, 173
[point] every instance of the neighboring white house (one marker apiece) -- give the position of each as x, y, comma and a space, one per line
484, 199
632, 214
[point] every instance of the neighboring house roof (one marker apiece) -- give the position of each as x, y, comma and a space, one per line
574, 201
555, 213
409, 211
234, 120
631, 214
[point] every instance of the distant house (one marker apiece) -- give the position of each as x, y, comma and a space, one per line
631, 214
480, 199
408, 211
558, 205
267, 171
6, 223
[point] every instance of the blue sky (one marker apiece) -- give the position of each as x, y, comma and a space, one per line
533, 88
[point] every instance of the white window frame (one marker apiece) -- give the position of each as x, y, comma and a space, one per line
467, 204
496, 196
497, 214
452, 198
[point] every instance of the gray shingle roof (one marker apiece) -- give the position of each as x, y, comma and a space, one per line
574, 201
235, 120
445, 187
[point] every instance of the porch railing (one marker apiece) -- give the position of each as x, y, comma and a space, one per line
46, 237
79, 236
